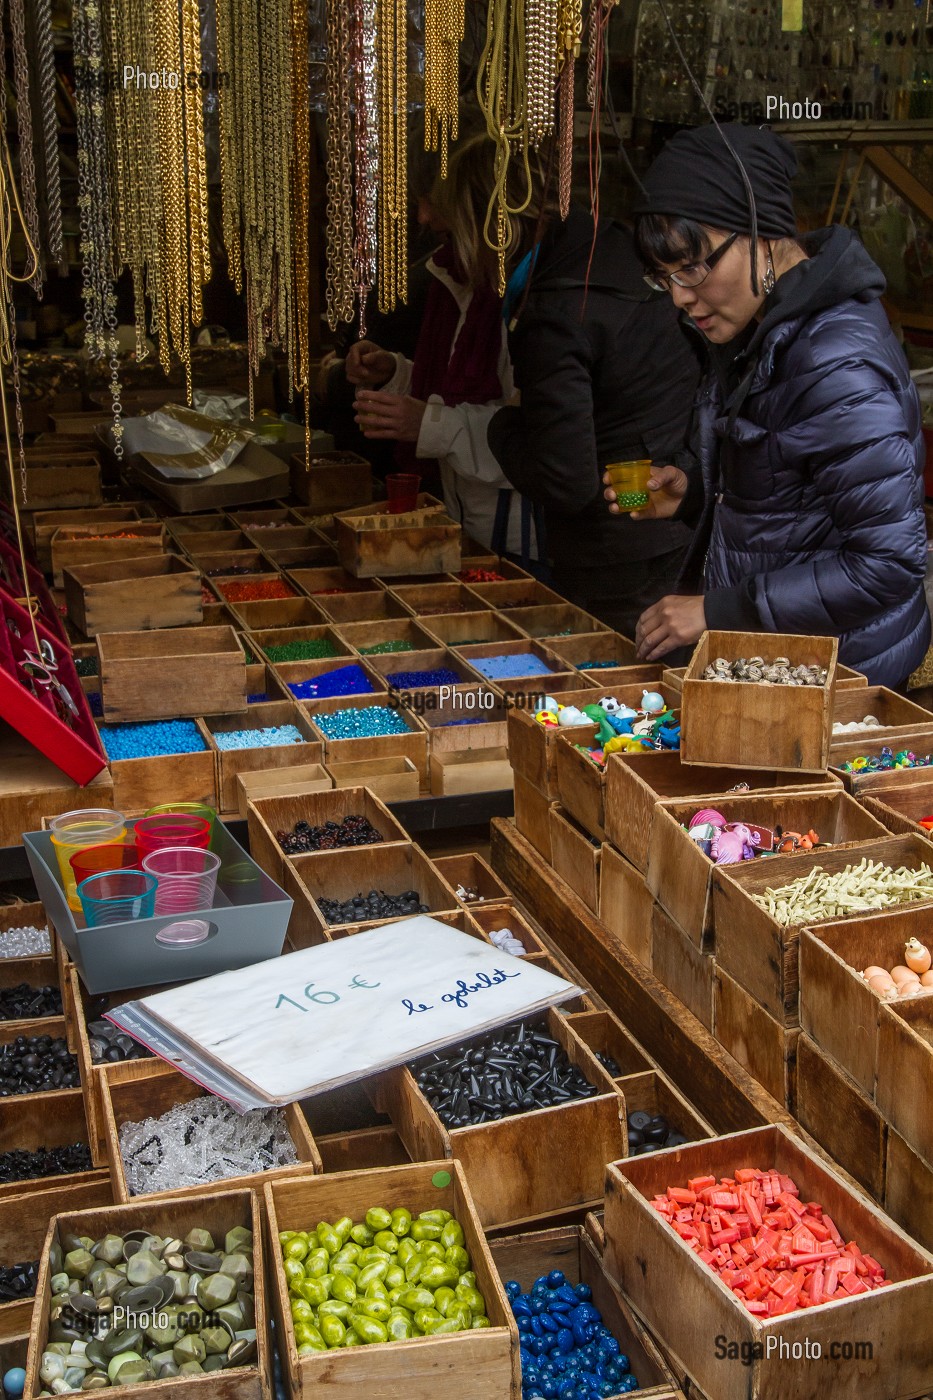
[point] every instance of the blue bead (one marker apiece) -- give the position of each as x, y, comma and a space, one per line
629, 1384
584, 1291
513, 1288
521, 1307
567, 1295
555, 1279
548, 1323
565, 1339
536, 1326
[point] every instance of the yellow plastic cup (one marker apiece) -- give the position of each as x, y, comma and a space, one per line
75, 831
630, 483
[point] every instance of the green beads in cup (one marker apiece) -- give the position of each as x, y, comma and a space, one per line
386, 1278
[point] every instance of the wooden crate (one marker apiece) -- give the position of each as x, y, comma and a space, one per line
556, 621
46, 522
64, 480
33, 787
103, 543
286, 537
24, 1225
391, 779
636, 782
846, 678
472, 872
760, 953
263, 518
181, 526
650, 1261
489, 917
765, 1047
267, 815
282, 636
557, 1155
470, 770
519, 647
575, 856
470, 717
626, 906
517, 593
32, 1126
141, 783
94, 1076
682, 965
897, 714
341, 874
222, 541
33, 972
905, 1071
325, 583
581, 782
234, 567
372, 542
598, 644
300, 778
843, 1120
605, 1034
157, 1091
278, 612
301, 556
361, 1150
838, 1009
232, 762
470, 628
908, 1190
412, 744
533, 746
168, 674
652, 1092
570, 1249
434, 659
680, 875
357, 635
43, 1103
532, 816
427, 599
901, 809
370, 605
474, 1365
759, 726
217, 1211
333, 481
131, 595
876, 784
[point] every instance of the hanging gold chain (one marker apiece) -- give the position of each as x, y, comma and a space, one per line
502, 90
444, 24
339, 160
392, 37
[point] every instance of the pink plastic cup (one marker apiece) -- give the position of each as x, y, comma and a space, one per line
187, 877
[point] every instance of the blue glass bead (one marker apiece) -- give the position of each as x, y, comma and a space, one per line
548, 1323
565, 1339
555, 1279
539, 1304
611, 1344
510, 667
629, 1383
344, 680
536, 1326
583, 1291
587, 1313
513, 1288
567, 1295
151, 739
521, 1306
549, 1389
367, 723
417, 680
270, 737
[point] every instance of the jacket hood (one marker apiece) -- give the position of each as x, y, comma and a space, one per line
838, 269
565, 254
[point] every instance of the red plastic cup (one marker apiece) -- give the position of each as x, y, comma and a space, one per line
95, 860
171, 829
402, 488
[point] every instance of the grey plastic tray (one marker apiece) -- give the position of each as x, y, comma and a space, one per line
248, 923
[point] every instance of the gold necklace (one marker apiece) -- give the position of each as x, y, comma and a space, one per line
444, 24
339, 293
501, 89
392, 40
569, 30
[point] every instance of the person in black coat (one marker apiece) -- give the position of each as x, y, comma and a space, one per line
605, 374
806, 477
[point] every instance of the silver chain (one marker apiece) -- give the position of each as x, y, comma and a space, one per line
45, 62
27, 159
94, 205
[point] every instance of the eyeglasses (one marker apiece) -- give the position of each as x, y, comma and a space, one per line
691, 275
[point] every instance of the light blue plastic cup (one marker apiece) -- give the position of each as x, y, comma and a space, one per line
116, 896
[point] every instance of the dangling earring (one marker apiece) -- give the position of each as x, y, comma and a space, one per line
769, 278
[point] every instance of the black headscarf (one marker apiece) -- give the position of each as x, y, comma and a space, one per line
697, 177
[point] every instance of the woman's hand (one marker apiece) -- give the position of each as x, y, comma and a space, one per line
667, 487
395, 416
673, 622
367, 364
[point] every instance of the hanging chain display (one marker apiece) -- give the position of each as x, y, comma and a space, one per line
339, 294
301, 156
444, 26
45, 66
366, 153
541, 34
392, 49
137, 189
94, 206
569, 32
27, 158
502, 92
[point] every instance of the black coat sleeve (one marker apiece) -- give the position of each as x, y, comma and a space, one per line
547, 446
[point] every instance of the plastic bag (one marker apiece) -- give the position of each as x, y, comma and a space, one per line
183, 445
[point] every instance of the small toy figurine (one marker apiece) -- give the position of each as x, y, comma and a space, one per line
569, 715
732, 845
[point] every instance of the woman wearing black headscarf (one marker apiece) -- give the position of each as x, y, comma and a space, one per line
805, 470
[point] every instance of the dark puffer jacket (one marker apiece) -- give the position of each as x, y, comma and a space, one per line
811, 472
